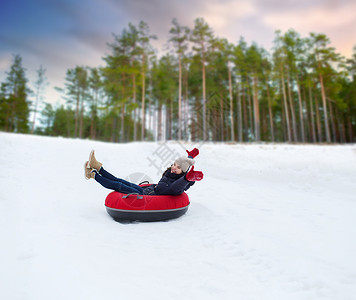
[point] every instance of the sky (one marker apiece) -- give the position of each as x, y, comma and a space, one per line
61, 34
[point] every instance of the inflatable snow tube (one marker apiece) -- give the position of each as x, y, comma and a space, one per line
145, 208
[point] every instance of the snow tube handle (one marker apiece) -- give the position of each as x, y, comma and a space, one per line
138, 195
144, 182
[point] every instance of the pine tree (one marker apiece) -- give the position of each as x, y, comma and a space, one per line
202, 36
95, 85
179, 38
76, 90
145, 50
14, 94
48, 114
323, 57
254, 61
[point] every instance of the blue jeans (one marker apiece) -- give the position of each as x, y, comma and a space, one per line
109, 181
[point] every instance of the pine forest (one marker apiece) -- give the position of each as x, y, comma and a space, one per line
202, 87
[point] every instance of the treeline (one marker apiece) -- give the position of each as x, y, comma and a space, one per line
202, 88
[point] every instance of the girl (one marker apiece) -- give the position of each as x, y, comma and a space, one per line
175, 180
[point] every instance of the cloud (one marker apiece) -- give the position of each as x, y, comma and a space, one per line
61, 34
336, 19
220, 15
5, 61
317, 18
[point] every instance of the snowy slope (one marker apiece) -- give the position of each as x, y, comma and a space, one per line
266, 222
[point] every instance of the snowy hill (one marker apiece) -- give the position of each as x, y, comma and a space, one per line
266, 222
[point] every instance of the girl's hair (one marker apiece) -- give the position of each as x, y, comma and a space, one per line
169, 169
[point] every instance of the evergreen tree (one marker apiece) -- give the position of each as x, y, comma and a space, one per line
279, 62
76, 91
95, 85
64, 122
48, 115
145, 50
254, 61
179, 38
323, 57
202, 37
164, 90
213, 92
239, 60
14, 107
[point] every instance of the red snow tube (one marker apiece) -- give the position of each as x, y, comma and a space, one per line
145, 208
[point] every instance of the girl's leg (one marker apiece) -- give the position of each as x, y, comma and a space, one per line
118, 185
107, 175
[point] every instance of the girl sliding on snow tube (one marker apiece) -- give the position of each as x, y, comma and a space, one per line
175, 180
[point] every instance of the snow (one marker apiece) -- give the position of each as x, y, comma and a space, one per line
267, 222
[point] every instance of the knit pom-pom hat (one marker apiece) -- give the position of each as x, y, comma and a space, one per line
184, 163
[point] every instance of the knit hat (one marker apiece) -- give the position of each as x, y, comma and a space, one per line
184, 163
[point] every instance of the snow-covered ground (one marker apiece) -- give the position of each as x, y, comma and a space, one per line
266, 222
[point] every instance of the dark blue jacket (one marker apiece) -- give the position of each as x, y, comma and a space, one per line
172, 184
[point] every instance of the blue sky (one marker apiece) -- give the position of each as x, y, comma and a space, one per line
60, 34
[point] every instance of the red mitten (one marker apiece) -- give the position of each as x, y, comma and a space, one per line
194, 175
193, 153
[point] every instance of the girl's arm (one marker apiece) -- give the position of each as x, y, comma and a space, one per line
175, 188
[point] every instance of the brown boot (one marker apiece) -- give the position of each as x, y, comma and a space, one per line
93, 163
88, 172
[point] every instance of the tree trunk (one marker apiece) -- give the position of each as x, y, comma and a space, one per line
301, 113
239, 114
318, 125
256, 109
222, 136
204, 92
185, 106
264, 125
81, 118
204, 99
135, 109
122, 135
332, 120
323, 97
94, 115
159, 125
286, 107
143, 99
231, 107
76, 117
349, 123
69, 123
270, 114
170, 120
244, 106
180, 98
7, 118
306, 116
291, 103
284, 123
312, 122
250, 128
341, 127
150, 108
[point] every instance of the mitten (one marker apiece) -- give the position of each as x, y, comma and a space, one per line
194, 175
193, 153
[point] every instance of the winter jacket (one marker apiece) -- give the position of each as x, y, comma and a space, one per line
170, 184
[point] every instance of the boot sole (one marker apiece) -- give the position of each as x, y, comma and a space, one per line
86, 164
90, 157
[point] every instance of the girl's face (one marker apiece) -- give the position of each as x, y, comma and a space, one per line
176, 169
